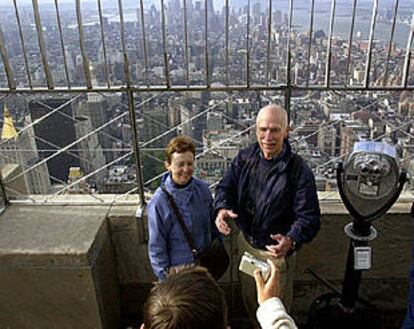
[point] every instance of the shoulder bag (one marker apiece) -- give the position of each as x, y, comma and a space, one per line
214, 257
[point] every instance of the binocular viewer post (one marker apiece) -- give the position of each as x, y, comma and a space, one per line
369, 182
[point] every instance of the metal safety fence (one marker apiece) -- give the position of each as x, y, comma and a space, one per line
124, 78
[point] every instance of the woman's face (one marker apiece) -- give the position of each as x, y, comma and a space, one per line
181, 167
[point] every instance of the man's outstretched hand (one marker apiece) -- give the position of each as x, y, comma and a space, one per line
283, 246
221, 220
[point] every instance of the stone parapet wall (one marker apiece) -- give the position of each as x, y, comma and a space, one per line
100, 249
57, 268
386, 283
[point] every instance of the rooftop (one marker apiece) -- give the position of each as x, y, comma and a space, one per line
101, 86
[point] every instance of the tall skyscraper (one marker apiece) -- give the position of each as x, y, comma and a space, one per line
96, 108
54, 132
210, 7
8, 131
90, 151
19, 149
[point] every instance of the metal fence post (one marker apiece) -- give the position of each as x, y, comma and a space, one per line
3, 196
135, 142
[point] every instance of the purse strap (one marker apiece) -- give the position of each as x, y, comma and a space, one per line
180, 219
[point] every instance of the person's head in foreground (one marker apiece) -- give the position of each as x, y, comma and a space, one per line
188, 299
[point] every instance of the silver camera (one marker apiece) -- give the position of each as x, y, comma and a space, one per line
249, 264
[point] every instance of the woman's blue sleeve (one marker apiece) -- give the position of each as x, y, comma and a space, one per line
158, 237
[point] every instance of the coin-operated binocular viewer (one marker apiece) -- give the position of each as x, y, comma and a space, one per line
369, 182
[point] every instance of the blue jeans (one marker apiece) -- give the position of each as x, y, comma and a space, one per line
409, 318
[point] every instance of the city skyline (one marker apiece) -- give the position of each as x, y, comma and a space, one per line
219, 3
327, 122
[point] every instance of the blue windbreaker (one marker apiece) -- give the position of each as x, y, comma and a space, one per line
167, 244
408, 322
266, 206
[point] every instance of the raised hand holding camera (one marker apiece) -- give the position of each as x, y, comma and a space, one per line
267, 288
249, 264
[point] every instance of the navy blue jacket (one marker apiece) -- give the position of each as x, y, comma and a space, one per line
266, 205
412, 216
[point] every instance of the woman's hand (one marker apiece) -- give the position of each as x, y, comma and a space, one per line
270, 288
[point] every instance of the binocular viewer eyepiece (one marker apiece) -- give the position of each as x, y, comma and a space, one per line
370, 180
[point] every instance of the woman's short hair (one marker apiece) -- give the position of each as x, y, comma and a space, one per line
189, 298
179, 144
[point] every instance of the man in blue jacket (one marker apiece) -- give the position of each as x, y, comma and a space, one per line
271, 194
409, 318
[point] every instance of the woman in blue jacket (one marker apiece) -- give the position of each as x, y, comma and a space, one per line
168, 246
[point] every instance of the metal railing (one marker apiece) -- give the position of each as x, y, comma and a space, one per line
238, 45
127, 84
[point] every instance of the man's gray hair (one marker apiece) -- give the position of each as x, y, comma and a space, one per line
277, 109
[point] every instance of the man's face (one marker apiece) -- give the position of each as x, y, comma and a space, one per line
270, 133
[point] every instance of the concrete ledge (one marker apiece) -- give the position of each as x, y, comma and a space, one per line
326, 255
130, 236
73, 256
57, 269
